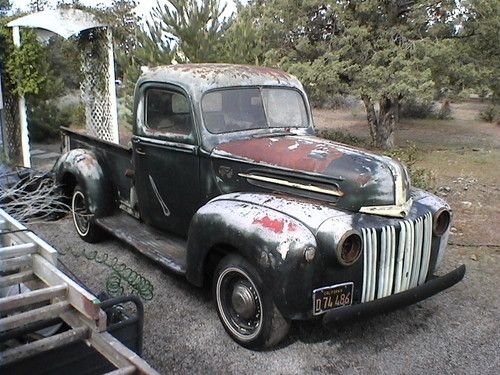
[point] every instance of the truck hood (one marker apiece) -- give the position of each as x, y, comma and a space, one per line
350, 178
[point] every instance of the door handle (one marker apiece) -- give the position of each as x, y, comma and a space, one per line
139, 151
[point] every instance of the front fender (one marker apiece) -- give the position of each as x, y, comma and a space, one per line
84, 167
272, 241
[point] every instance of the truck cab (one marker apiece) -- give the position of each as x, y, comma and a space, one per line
184, 112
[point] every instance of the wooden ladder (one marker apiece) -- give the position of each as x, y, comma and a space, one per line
26, 258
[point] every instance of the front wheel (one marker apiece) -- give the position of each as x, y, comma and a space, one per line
83, 219
245, 308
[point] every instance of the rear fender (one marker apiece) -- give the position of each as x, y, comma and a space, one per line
272, 241
83, 166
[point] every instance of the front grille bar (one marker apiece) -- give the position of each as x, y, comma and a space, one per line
400, 262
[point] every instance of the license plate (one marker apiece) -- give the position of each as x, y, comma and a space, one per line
330, 297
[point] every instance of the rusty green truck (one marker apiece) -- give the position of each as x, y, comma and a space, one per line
226, 182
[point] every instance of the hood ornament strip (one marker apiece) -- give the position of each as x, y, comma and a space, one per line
399, 210
278, 181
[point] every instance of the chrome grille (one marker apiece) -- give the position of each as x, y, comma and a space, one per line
396, 259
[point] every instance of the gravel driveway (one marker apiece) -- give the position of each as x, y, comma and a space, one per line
455, 332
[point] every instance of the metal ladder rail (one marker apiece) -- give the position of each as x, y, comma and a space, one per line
26, 257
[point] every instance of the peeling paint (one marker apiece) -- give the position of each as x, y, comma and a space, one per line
284, 247
363, 179
276, 226
85, 162
318, 154
308, 212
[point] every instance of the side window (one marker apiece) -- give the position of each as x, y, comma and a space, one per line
167, 113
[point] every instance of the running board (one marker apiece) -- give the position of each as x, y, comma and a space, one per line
167, 250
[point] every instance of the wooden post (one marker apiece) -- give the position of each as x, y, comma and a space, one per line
2, 121
111, 87
23, 121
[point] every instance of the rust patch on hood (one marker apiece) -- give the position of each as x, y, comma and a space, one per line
288, 152
348, 177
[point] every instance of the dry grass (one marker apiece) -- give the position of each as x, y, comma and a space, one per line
463, 130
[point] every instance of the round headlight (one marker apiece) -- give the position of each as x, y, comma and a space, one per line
349, 248
441, 221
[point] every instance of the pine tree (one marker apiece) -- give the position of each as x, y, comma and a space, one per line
194, 25
481, 41
38, 5
5, 5
375, 49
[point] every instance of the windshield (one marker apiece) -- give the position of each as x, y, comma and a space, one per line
233, 110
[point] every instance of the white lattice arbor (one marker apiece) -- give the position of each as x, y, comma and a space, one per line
98, 84
98, 91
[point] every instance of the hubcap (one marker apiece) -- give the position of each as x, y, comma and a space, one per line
243, 301
239, 303
80, 213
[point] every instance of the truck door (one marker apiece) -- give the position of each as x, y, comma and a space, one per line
165, 159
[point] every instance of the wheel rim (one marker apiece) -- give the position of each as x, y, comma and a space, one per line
81, 215
239, 303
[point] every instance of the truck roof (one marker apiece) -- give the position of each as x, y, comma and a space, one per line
198, 78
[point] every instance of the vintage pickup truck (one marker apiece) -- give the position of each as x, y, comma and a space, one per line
226, 181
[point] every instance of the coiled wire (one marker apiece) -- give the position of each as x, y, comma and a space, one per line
121, 273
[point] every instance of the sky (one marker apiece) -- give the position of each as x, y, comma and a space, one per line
143, 8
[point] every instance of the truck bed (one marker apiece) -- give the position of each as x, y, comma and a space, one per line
118, 158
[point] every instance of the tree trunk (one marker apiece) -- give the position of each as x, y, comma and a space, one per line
382, 123
371, 116
388, 119
445, 110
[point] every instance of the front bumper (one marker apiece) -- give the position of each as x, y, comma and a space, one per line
396, 301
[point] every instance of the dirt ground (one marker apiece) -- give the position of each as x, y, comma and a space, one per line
455, 332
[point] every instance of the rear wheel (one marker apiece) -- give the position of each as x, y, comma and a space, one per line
245, 308
83, 219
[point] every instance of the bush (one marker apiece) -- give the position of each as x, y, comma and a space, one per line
420, 177
336, 102
413, 108
491, 114
44, 120
339, 136
418, 109
77, 116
